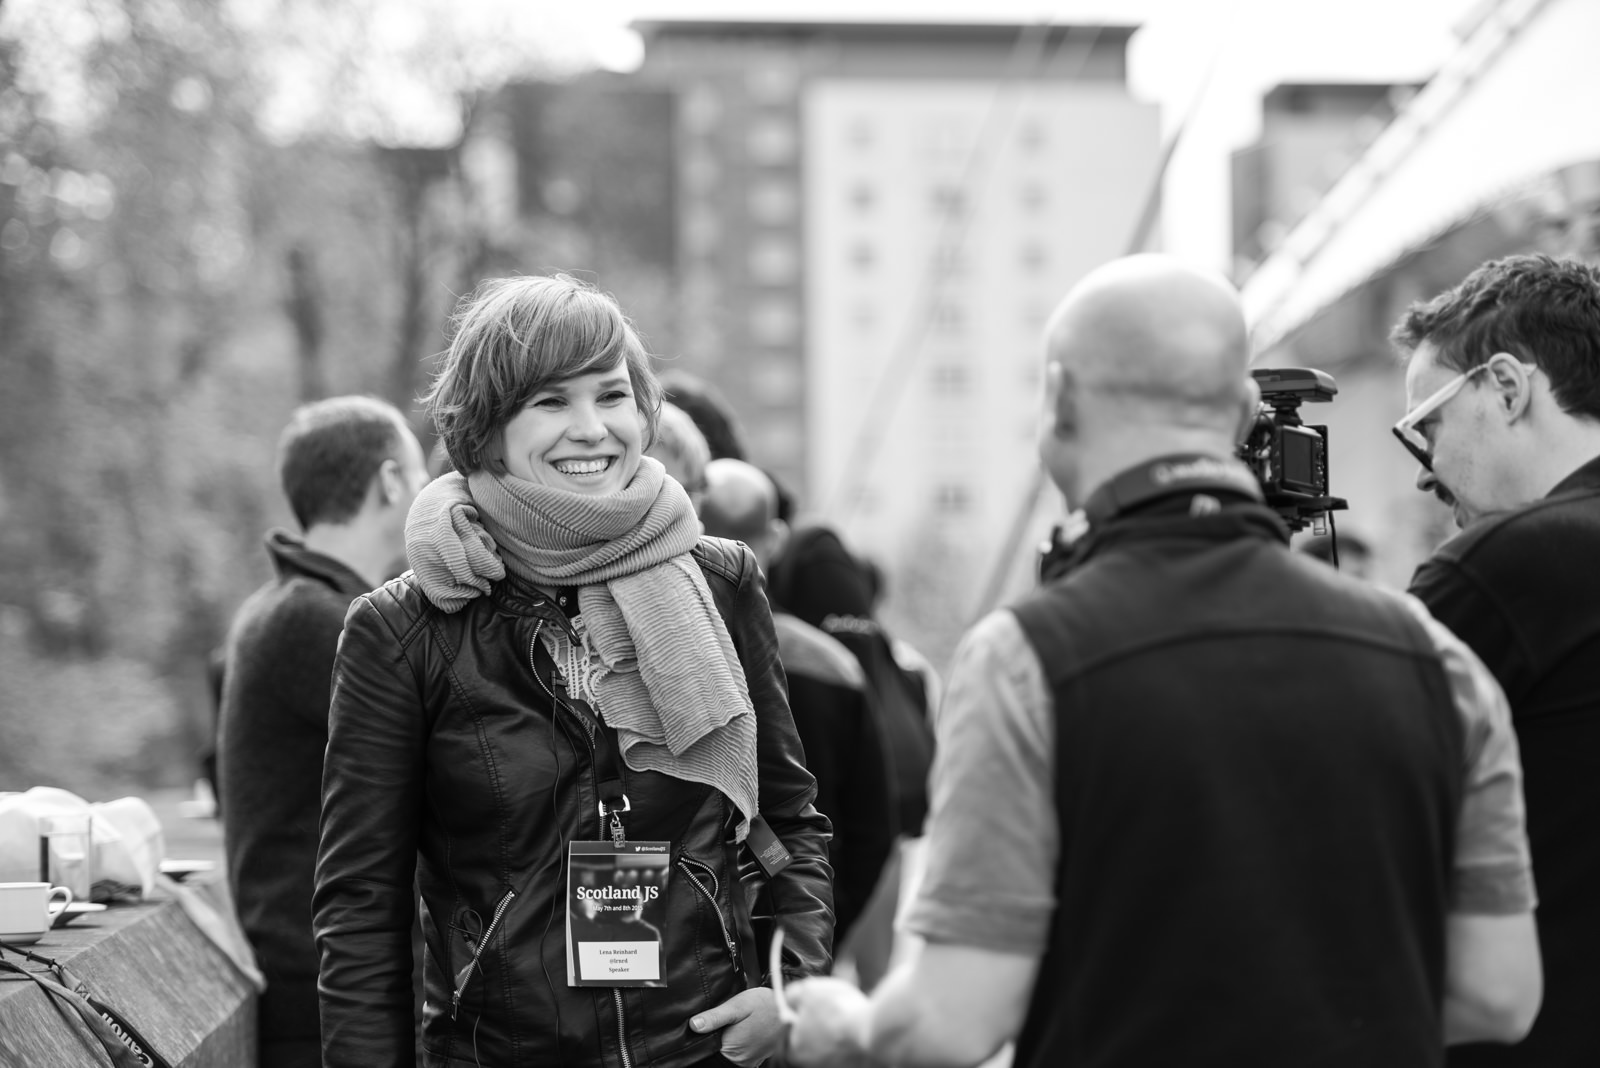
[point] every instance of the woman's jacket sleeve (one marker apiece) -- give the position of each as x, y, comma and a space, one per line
372, 787
802, 894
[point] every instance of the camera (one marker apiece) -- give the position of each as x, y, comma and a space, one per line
1288, 457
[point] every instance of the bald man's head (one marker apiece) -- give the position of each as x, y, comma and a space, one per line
1145, 348
1151, 331
740, 502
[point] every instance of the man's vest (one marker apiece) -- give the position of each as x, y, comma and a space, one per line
1257, 780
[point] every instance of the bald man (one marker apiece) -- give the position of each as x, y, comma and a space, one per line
827, 694
1199, 800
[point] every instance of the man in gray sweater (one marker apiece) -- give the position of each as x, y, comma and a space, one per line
350, 468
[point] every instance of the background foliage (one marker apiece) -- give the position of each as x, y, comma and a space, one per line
210, 212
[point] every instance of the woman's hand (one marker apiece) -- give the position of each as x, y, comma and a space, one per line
751, 1031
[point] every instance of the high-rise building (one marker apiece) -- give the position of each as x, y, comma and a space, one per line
1310, 133
874, 223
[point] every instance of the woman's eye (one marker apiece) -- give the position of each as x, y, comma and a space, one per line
547, 402
614, 396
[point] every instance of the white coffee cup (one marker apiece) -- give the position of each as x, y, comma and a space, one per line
28, 909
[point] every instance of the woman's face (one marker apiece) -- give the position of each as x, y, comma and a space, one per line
584, 434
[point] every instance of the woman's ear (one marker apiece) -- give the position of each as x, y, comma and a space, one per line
494, 453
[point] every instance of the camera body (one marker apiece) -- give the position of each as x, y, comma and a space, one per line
1288, 457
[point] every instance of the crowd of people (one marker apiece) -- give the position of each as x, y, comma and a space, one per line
587, 752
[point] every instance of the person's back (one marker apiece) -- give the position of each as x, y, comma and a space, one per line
829, 694
1258, 767
350, 468
821, 582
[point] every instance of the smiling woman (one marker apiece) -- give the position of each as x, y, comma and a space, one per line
570, 683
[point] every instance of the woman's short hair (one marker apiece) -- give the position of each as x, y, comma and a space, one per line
516, 336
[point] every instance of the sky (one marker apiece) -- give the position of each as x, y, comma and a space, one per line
1226, 53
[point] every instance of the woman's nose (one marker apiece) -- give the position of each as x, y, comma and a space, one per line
1426, 480
586, 424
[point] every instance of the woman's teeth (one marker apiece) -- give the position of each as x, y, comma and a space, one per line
582, 467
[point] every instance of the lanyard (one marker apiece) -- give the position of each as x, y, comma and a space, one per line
611, 780
123, 1044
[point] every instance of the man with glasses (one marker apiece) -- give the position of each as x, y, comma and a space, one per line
1503, 380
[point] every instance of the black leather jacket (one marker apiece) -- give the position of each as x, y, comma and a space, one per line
450, 771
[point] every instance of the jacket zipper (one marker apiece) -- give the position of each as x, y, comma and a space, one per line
464, 976
588, 730
716, 910
622, 1029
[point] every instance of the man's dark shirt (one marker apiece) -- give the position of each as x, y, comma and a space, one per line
274, 728
1523, 590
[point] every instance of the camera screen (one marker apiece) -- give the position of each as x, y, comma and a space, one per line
1301, 451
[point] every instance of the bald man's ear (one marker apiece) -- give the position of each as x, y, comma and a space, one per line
777, 537
1060, 401
1247, 416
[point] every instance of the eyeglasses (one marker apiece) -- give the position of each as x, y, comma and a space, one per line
1415, 441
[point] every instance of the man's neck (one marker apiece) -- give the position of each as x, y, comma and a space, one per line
1570, 445
356, 546
1099, 465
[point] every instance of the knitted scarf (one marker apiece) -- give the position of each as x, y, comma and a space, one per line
670, 681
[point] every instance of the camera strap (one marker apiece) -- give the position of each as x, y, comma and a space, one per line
1195, 474
123, 1045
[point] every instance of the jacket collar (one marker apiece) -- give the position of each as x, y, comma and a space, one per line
291, 559
517, 596
1586, 477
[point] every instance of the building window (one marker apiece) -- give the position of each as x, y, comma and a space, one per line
950, 379
863, 256
860, 133
1033, 257
1033, 196
779, 440
862, 196
949, 259
1031, 136
947, 317
772, 141
952, 498
949, 201
772, 83
776, 382
774, 202
700, 170
864, 317
701, 109
701, 228
774, 260
947, 139
774, 321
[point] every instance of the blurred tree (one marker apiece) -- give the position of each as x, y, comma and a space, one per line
208, 213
